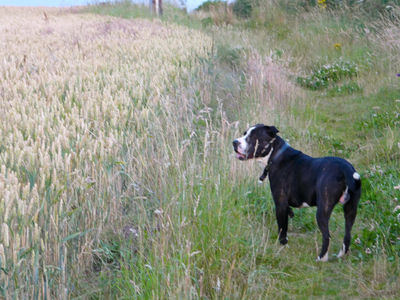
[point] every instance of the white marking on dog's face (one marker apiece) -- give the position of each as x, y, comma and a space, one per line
304, 204
342, 251
243, 144
356, 176
256, 142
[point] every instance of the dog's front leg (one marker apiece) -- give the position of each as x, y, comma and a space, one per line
282, 218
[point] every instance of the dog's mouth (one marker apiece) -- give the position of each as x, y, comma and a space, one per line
240, 155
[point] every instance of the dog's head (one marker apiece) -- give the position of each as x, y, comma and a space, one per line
255, 142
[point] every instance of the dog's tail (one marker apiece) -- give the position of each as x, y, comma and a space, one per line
353, 185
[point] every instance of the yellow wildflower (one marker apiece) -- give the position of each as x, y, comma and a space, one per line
322, 3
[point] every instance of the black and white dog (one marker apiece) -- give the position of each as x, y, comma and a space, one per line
298, 180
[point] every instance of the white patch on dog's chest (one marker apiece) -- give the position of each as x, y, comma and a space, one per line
304, 204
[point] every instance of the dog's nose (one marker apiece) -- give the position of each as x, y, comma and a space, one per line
235, 143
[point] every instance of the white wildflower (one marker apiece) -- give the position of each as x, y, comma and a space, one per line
218, 285
158, 212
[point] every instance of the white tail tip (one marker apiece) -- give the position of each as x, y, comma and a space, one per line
356, 176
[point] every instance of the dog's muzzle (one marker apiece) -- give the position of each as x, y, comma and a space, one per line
239, 154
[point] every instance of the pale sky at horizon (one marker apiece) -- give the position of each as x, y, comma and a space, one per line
190, 4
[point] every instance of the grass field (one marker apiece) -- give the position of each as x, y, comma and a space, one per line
117, 176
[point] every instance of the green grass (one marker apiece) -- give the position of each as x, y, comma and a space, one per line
217, 235
121, 9
128, 10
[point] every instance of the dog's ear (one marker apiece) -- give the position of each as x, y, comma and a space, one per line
271, 130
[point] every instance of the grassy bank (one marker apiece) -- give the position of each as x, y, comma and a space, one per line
328, 81
152, 203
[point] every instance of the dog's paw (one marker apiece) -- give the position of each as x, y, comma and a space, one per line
342, 251
260, 181
323, 258
283, 241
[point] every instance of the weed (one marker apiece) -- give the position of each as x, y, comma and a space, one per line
327, 74
229, 55
242, 8
344, 89
208, 21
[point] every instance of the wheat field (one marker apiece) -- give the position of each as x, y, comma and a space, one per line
79, 94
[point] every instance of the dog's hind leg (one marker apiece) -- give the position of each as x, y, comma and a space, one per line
350, 212
290, 212
323, 215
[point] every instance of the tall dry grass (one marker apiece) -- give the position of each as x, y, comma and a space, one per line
387, 37
108, 126
79, 95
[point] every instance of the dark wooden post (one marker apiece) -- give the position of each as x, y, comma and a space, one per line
156, 7
160, 9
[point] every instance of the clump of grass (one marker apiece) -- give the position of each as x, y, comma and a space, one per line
231, 56
344, 89
211, 5
243, 8
327, 74
130, 10
215, 13
123, 9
